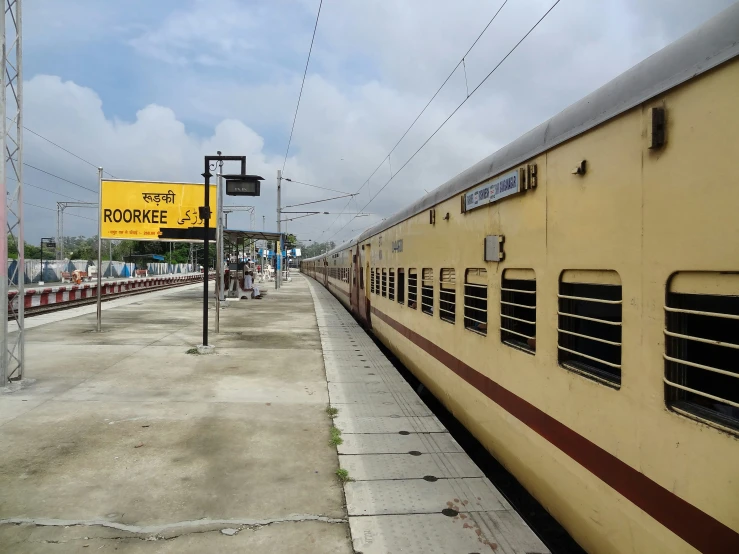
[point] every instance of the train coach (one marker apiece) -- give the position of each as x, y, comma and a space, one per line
573, 300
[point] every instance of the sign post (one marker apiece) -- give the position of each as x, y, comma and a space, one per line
278, 269
100, 253
150, 210
210, 163
220, 281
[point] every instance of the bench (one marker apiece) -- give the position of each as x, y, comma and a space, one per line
142, 273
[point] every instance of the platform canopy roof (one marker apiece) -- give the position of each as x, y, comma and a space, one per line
235, 235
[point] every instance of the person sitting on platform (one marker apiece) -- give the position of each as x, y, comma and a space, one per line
249, 284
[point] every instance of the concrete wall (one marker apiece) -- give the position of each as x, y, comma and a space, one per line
53, 269
164, 269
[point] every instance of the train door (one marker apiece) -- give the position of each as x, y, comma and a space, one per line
355, 281
363, 297
325, 272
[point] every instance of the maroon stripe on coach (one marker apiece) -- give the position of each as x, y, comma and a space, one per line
682, 518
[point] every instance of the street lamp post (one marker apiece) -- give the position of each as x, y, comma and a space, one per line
236, 185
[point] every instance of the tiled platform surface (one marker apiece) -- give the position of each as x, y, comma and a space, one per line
408, 471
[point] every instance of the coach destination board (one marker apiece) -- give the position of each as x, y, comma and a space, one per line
139, 210
492, 191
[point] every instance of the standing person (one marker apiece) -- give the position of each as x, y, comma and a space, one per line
250, 284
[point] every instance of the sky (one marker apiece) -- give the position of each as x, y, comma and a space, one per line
146, 89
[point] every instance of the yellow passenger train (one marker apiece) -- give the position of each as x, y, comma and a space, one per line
573, 300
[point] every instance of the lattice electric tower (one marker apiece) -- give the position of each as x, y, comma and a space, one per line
12, 331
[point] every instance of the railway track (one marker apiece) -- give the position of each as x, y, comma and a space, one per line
31, 311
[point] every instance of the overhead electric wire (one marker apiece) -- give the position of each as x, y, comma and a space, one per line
62, 148
300, 95
455, 110
60, 178
314, 186
460, 62
318, 201
53, 210
47, 190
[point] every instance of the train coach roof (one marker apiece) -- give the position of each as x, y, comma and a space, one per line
704, 48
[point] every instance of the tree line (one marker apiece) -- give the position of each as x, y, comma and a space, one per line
85, 248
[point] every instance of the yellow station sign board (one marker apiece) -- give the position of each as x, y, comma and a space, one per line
138, 210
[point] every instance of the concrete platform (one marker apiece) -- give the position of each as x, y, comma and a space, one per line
413, 489
123, 441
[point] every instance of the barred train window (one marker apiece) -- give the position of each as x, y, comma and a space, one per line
702, 346
447, 295
384, 282
372, 280
476, 300
412, 288
427, 291
590, 324
391, 285
518, 309
401, 285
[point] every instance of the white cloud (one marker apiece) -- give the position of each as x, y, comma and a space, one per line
156, 146
374, 66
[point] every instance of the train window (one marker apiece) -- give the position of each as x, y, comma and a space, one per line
518, 309
476, 300
377, 281
391, 284
412, 288
447, 295
384, 282
401, 285
590, 324
702, 346
372, 280
427, 291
